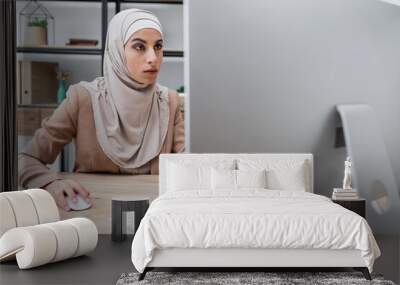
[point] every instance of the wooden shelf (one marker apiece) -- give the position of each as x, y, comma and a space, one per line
61, 50
50, 105
81, 50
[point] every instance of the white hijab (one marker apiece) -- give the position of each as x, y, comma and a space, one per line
131, 118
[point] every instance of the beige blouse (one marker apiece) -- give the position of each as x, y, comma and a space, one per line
73, 119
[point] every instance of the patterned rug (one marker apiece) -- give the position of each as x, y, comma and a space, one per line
243, 278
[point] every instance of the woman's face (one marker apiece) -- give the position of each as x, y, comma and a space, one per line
144, 55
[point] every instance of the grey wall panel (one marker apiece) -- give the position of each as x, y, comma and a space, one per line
371, 167
265, 76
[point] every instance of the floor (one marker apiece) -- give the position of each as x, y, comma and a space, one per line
103, 266
111, 259
388, 263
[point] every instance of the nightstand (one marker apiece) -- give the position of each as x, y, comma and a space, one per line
123, 205
356, 205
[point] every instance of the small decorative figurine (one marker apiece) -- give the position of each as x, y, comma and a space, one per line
61, 92
347, 174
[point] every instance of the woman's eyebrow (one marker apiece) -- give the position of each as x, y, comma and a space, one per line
138, 39
141, 40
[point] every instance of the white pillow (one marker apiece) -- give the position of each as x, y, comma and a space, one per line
184, 177
187, 174
251, 178
236, 179
288, 179
223, 179
282, 174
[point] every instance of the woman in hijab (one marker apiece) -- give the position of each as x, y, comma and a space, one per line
120, 122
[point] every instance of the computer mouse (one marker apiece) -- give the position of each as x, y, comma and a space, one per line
79, 205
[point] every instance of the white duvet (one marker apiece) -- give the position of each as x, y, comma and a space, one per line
250, 218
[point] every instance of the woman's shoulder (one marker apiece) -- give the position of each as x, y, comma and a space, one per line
172, 92
78, 94
79, 90
173, 97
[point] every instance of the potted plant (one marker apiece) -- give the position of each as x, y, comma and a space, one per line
36, 34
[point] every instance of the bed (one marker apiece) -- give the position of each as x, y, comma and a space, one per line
245, 211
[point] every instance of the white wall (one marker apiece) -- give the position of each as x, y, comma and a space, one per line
265, 76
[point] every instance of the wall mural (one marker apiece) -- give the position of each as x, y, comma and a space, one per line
371, 168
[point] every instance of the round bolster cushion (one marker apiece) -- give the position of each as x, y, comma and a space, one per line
26, 208
7, 218
23, 209
45, 206
40, 244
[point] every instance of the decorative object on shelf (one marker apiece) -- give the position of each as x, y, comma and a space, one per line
61, 92
35, 21
347, 192
181, 89
36, 33
347, 174
82, 42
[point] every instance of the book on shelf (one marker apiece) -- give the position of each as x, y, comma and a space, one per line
345, 198
341, 190
346, 194
82, 42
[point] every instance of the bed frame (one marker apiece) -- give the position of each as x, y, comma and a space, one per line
245, 259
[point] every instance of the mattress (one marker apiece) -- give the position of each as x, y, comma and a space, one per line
251, 219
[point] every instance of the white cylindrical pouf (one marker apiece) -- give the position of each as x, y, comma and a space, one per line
31, 233
40, 244
45, 205
87, 234
67, 239
23, 208
40, 247
33, 246
7, 218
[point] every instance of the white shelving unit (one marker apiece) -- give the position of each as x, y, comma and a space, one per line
83, 19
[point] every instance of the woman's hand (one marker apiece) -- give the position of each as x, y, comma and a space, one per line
60, 189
